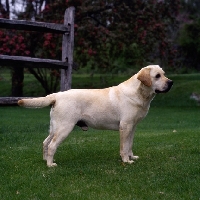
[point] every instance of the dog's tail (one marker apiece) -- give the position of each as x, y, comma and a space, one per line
39, 102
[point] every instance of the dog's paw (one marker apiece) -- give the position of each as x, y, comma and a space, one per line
52, 165
132, 157
130, 161
135, 157
127, 160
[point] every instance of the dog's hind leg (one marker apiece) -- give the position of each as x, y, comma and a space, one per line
45, 146
58, 137
47, 141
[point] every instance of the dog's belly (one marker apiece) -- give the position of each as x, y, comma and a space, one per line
104, 125
101, 122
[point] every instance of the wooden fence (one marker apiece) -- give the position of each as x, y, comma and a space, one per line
66, 64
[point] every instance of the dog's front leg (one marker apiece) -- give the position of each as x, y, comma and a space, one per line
130, 153
126, 132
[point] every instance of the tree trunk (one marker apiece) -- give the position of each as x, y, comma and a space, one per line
17, 82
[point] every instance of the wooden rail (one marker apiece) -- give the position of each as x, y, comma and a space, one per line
67, 29
33, 26
10, 101
18, 61
66, 64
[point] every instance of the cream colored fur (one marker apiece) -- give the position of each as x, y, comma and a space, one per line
116, 108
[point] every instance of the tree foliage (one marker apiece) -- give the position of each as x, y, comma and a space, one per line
113, 33
109, 35
108, 30
191, 8
189, 41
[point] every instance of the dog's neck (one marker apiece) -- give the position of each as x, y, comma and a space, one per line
146, 92
137, 88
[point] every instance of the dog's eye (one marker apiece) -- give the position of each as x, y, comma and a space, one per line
158, 76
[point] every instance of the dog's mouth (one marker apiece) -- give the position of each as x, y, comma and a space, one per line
169, 85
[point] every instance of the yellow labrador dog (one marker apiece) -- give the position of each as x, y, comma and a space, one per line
116, 108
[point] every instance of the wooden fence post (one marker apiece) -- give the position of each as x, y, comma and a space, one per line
67, 50
17, 82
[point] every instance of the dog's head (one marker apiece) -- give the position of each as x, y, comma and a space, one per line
153, 76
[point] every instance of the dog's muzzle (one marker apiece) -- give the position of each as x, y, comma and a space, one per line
168, 87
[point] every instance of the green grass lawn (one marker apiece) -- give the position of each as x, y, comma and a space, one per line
89, 166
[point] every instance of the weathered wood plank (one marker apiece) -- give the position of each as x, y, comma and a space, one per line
33, 26
21, 61
10, 100
67, 50
67, 29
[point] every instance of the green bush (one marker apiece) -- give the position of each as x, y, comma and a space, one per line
189, 41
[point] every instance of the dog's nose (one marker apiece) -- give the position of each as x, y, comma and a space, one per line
170, 83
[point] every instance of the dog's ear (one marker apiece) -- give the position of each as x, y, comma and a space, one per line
144, 76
